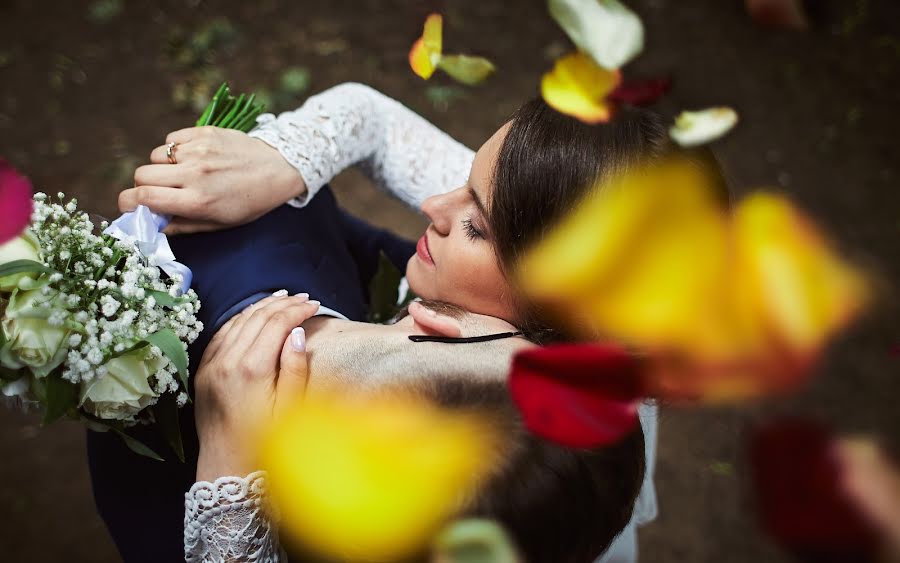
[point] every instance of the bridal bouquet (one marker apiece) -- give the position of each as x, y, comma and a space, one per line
95, 327
91, 329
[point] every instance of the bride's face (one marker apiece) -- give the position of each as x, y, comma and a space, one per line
455, 260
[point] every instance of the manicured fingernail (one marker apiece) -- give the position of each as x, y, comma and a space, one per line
280, 293
298, 339
302, 296
314, 303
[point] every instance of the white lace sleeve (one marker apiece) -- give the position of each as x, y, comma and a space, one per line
226, 521
355, 124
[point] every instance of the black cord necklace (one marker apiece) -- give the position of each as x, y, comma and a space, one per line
462, 340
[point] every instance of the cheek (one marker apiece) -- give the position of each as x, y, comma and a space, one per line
476, 283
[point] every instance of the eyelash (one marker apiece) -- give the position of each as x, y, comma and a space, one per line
472, 232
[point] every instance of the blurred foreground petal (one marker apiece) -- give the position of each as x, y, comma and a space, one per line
790, 284
474, 541
372, 480
466, 69
577, 395
641, 93
693, 128
15, 202
724, 307
578, 87
785, 14
606, 30
801, 502
642, 258
426, 51
873, 483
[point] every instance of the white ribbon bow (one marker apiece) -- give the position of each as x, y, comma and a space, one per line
143, 229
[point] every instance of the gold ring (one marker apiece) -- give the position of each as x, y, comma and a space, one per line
170, 153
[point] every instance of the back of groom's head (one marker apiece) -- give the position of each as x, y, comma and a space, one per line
560, 505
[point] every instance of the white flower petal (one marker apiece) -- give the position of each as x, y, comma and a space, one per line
605, 30
694, 128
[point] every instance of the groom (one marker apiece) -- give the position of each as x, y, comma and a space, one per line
319, 250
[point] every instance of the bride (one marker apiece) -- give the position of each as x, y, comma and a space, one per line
523, 179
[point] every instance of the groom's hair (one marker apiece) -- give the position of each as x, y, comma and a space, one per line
560, 505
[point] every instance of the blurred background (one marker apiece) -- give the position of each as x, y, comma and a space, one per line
89, 88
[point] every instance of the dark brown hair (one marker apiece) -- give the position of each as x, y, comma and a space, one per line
547, 163
559, 505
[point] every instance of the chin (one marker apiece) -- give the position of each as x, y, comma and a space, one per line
416, 279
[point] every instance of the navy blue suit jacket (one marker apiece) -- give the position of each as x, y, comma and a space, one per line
318, 249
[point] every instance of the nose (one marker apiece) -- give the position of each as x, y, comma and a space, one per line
439, 210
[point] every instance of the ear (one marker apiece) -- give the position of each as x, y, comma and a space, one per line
426, 321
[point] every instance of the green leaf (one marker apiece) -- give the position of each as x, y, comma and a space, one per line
384, 290
605, 30
163, 299
61, 396
137, 446
466, 69
171, 347
166, 413
22, 266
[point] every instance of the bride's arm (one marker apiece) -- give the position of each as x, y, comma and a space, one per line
254, 366
226, 520
355, 124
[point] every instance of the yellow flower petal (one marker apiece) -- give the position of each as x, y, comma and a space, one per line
642, 256
693, 128
788, 276
371, 480
426, 51
578, 87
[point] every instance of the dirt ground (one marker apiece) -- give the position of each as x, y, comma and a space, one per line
87, 89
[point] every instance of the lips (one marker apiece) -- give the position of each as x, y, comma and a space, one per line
422, 250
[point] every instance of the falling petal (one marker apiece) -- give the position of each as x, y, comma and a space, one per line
693, 128
578, 87
610, 33
641, 93
426, 51
789, 276
577, 395
474, 540
15, 202
641, 258
372, 480
800, 498
466, 69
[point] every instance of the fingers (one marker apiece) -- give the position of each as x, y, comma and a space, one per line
279, 318
293, 373
256, 338
164, 200
183, 135
160, 175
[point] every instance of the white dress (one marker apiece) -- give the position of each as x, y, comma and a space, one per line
402, 153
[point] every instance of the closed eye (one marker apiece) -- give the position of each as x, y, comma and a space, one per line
472, 232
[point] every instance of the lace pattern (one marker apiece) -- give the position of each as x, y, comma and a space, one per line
226, 521
353, 124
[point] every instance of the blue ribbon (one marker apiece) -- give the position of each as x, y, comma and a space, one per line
143, 229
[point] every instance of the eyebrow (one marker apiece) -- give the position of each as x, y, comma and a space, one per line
478, 203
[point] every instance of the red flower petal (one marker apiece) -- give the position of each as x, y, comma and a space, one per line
577, 395
15, 202
800, 496
641, 93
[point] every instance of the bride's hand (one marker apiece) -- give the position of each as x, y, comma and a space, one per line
253, 366
223, 178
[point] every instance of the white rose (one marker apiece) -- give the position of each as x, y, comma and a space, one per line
30, 340
125, 389
24, 247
